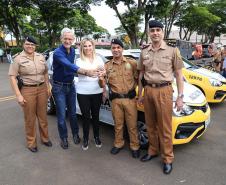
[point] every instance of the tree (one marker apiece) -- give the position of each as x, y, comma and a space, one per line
13, 15
99, 32
131, 18
166, 10
83, 23
55, 13
198, 19
217, 8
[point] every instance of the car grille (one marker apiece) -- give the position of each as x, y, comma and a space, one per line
219, 94
202, 108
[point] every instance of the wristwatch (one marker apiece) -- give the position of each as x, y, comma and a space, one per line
180, 96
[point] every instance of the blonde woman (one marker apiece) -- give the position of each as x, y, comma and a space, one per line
89, 92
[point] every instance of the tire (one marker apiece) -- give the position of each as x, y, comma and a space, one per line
142, 131
51, 108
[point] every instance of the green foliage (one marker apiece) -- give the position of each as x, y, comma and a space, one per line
44, 18
198, 19
15, 50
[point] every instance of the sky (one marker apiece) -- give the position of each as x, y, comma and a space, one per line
106, 17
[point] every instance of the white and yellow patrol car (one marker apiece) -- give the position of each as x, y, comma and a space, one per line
212, 84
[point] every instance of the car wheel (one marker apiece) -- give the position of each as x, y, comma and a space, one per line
142, 134
51, 109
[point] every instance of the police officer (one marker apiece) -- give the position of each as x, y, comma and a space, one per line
158, 65
122, 79
32, 69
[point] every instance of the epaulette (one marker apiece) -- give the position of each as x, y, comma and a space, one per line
145, 46
107, 61
14, 56
130, 58
171, 44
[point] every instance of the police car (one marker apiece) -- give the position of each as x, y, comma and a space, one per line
212, 84
187, 124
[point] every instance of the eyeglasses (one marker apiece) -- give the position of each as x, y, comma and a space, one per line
28, 44
152, 30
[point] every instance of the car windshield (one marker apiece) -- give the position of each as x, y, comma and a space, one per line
187, 63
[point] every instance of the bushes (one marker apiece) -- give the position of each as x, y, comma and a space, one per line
15, 50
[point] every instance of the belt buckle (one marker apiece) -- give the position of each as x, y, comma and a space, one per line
121, 95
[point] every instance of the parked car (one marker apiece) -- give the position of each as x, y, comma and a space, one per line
212, 84
187, 124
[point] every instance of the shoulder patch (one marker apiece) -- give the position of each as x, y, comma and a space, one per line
129, 58
107, 62
178, 53
145, 46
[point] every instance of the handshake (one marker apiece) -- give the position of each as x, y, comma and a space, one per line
99, 72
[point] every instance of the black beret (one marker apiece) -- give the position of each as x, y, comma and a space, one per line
30, 39
117, 41
155, 24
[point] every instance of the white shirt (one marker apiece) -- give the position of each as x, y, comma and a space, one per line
86, 84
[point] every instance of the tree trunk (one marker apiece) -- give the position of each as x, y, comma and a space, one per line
133, 39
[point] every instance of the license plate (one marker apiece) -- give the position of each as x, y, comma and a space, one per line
207, 122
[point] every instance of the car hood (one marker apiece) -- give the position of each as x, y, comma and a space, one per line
192, 95
209, 74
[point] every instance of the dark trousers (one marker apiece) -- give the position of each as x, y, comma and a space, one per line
90, 108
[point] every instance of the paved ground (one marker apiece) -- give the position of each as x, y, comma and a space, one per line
201, 162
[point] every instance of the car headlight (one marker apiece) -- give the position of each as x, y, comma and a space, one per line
186, 110
215, 82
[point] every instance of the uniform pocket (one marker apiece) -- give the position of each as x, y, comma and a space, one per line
165, 64
41, 66
26, 68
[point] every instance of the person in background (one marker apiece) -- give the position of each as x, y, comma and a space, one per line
32, 69
223, 55
1, 54
89, 92
198, 52
158, 65
63, 88
122, 75
216, 55
8, 54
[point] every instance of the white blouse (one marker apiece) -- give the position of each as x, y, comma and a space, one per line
86, 84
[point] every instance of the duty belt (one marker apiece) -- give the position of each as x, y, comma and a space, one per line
159, 85
33, 85
131, 94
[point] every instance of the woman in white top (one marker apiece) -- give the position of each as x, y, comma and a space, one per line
89, 93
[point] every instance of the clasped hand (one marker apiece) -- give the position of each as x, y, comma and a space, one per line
96, 73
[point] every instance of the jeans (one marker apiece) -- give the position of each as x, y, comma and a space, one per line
65, 97
90, 107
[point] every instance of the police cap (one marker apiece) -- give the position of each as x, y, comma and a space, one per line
155, 24
31, 39
117, 41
